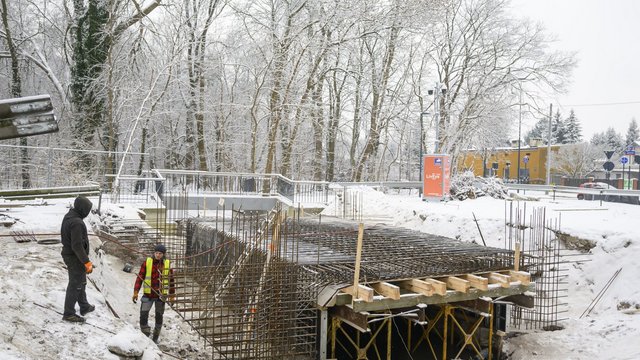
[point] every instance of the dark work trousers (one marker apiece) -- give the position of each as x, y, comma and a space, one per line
145, 307
77, 284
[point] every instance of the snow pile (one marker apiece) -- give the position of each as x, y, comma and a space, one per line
467, 186
131, 342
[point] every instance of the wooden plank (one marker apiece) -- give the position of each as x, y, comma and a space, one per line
387, 290
522, 276
478, 306
409, 300
477, 282
418, 286
497, 278
458, 284
355, 319
522, 300
516, 265
439, 287
356, 275
364, 293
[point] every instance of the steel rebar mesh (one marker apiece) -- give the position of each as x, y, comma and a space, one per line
545, 257
249, 281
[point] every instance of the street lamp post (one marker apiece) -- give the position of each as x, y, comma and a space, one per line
421, 142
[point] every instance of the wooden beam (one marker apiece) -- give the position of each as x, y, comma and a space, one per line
497, 278
522, 300
409, 300
355, 319
522, 276
356, 275
364, 293
516, 260
478, 282
478, 306
439, 287
387, 290
458, 284
418, 286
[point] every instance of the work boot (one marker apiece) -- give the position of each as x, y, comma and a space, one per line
156, 334
73, 318
146, 330
89, 309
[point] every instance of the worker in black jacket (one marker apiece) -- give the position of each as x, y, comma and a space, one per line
75, 253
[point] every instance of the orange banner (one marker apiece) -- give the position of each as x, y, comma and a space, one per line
436, 175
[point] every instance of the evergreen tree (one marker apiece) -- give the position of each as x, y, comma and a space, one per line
609, 140
573, 130
539, 131
632, 133
558, 131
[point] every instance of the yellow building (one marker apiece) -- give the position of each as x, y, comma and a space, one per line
503, 162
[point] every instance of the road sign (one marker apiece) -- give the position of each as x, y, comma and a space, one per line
624, 160
630, 151
636, 159
608, 165
609, 154
525, 159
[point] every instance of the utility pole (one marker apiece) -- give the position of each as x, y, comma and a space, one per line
436, 108
519, 136
421, 153
549, 146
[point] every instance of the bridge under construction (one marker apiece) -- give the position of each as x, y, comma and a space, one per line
285, 284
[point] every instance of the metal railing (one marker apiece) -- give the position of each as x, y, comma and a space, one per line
573, 190
157, 182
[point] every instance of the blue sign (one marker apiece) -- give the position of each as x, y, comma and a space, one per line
525, 159
624, 160
437, 161
630, 151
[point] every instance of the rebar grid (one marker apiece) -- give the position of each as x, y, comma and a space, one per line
546, 259
390, 253
248, 282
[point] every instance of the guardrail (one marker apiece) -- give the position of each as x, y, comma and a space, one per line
50, 192
153, 184
157, 182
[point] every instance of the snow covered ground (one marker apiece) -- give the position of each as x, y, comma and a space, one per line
34, 281
607, 332
32, 295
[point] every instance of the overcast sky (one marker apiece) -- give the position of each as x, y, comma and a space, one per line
606, 35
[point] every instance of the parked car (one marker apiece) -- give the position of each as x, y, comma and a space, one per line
593, 185
606, 197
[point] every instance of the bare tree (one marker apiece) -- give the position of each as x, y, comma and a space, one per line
482, 55
576, 160
16, 90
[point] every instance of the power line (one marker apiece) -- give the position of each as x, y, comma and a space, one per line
602, 104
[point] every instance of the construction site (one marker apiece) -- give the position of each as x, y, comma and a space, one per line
286, 283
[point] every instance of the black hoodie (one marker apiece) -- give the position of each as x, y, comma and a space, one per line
73, 231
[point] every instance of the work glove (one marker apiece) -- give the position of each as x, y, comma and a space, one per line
135, 297
88, 267
172, 299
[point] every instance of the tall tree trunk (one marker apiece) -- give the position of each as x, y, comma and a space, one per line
379, 88
16, 91
318, 131
275, 108
196, 57
335, 112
